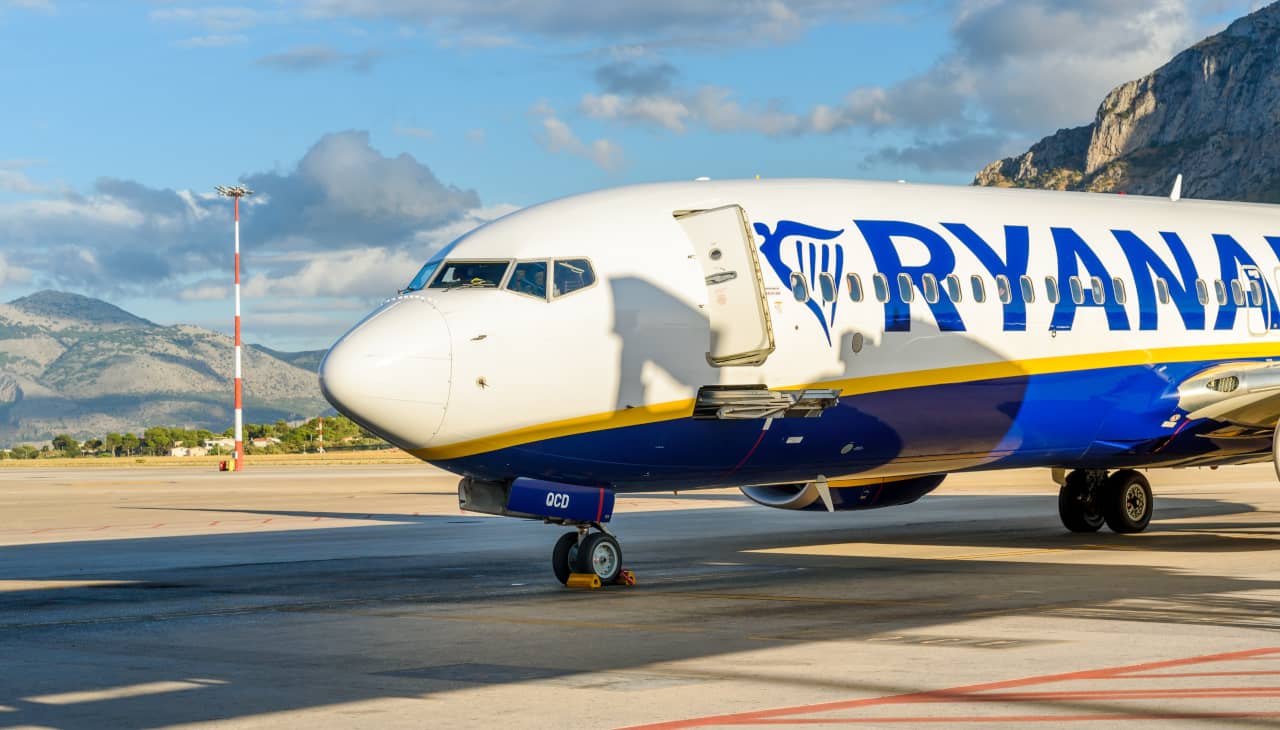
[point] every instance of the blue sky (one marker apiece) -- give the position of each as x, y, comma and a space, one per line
377, 130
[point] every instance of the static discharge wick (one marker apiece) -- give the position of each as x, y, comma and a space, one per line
236, 193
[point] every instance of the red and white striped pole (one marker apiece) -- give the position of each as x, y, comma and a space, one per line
235, 193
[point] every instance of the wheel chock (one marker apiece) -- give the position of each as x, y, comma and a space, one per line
583, 580
625, 578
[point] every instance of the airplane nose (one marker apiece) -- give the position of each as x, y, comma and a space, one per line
392, 372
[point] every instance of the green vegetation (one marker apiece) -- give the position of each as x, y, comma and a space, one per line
340, 433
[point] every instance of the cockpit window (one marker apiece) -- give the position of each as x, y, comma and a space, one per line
470, 275
572, 275
529, 277
429, 268
424, 275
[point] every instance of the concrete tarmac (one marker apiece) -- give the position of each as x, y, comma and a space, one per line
360, 597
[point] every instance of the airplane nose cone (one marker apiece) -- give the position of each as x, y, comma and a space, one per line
391, 373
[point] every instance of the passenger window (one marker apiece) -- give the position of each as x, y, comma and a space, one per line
1051, 289
1162, 290
1118, 283
855, 287
979, 289
1255, 294
1237, 292
827, 285
799, 287
1028, 289
470, 275
1221, 290
1002, 289
1095, 288
1077, 290
930, 288
905, 290
572, 275
953, 288
881, 284
1202, 292
529, 277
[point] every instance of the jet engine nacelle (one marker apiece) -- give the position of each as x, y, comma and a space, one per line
846, 494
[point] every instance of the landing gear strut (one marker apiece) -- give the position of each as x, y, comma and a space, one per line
583, 551
1091, 497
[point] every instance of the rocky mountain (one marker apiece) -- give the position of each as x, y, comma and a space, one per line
1211, 114
73, 364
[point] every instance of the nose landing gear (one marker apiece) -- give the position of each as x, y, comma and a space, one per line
590, 553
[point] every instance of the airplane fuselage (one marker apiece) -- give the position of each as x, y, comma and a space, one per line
964, 329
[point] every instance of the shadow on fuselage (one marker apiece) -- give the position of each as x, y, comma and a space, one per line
662, 336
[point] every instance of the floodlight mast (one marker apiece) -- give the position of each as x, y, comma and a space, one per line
236, 192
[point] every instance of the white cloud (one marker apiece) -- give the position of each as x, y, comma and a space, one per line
204, 292
717, 108
712, 106
415, 132
690, 22
13, 274
215, 19
345, 193
478, 41
39, 6
314, 58
215, 40
661, 111
15, 181
125, 237
366, 272
1017, 69
555, 136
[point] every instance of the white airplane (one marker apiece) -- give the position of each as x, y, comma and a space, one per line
825, 344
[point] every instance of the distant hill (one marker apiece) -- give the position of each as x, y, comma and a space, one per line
306, 359
78, 365
1211, 114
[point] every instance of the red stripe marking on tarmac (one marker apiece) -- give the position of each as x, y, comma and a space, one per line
1110, 694
1168, 675
959, 694
1112, 717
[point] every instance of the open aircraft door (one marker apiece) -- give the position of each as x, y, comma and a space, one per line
741, 329
1258, 303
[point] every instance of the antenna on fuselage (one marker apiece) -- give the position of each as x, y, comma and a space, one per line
1176, 195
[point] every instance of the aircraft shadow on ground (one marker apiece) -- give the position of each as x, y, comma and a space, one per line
269, 636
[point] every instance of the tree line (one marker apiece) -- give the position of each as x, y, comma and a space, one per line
340, 433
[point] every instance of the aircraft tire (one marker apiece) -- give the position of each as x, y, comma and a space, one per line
1127, 502
564, 556
601, 554
1078, 506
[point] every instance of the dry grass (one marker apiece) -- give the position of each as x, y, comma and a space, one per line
385, 456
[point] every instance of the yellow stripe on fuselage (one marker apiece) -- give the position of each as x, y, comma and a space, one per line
672, 410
